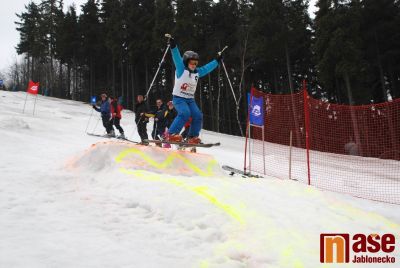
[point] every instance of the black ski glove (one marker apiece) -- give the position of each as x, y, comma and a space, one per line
94, 107
172, 43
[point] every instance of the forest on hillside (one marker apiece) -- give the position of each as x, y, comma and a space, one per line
349, 53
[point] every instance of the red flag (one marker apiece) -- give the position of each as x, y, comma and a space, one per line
33, 88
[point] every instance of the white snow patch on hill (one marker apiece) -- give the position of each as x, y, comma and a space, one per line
66, 203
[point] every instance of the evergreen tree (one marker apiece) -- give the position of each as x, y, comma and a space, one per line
111, 15
51, 17
163, 23
91, 32
381, 45
185, 25
141, 51
339, 51
67, 47
32, 41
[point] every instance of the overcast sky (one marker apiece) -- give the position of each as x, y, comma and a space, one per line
9, 36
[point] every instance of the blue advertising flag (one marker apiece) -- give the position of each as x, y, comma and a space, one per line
93, 100
257, 111
1, 83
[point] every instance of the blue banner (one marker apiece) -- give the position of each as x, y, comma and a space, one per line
1, 83
93, 100
257, 111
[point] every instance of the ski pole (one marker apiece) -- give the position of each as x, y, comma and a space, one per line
233, 93
155, 129
159, 67
112, 124
95, 127
23, 111
229, 80
90, 117
222, 51
136, 127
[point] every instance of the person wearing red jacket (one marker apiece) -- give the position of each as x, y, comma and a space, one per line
116, 109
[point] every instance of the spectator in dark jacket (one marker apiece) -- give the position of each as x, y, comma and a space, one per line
159, 120
170, 114
105, 114
141, 119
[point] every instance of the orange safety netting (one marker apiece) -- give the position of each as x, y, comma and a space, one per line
350, 149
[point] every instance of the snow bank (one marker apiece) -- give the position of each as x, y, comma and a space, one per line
14, 124
128, 156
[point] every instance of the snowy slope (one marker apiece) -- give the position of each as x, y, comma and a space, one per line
72, 200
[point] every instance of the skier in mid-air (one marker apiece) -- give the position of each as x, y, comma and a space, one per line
187, 75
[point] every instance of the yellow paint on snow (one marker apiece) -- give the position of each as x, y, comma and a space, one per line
204, 264
237, 213
202, 191
168, 162
290, 252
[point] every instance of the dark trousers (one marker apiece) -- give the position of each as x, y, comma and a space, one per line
106, 123
157, 131
142, 130
116, 122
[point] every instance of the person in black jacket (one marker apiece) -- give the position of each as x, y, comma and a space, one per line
141, 119
170, 114
159, 120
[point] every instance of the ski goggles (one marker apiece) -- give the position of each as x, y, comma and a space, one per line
193, 62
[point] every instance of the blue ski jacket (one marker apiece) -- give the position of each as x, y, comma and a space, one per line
104, 108
180, 67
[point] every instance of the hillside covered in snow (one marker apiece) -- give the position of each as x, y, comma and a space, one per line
72, 200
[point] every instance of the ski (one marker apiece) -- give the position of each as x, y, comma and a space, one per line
125, 139
234, 171
185, 144
108, 137
182, 145
98, 135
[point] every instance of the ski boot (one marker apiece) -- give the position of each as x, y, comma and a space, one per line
165, 138
174, 137
145, 142
194, 140
111, 134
